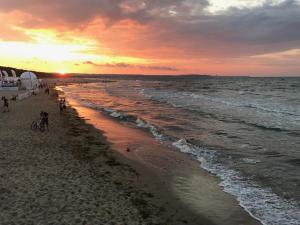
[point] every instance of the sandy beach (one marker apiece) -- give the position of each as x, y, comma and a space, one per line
70, 175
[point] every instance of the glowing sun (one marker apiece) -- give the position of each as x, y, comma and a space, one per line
62, 72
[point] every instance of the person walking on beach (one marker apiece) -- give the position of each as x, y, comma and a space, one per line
61, 106
47, 91
45, 121
64, 104
5, 104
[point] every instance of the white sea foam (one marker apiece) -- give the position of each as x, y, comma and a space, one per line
89, 104
154, 131
108, 110
121, 115
117, 114
260, 203
250, 161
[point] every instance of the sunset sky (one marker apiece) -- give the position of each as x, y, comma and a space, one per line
224, 37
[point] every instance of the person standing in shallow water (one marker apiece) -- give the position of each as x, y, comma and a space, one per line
5, 104
62, 105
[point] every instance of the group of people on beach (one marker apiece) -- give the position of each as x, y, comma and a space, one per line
43, 115
46, 86
14, 97
43, 122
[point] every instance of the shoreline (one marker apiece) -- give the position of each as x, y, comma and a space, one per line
148, 194
152, 193
213, 200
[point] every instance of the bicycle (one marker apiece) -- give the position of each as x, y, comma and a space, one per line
38, 125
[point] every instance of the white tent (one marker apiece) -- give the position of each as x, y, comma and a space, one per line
29, 81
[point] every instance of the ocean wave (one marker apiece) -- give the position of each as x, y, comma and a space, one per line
169, 96
141, 123
154, 130
270, 118
253, 105
260, 126
260, 203
123, 116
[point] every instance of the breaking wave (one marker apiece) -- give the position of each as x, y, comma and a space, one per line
261, 203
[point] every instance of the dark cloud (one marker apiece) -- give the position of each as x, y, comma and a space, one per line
70, 13
238, 32
83, 11
127, 65
166, 68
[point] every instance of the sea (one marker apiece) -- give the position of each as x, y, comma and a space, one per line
244, 130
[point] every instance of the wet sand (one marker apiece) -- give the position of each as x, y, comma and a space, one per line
174, 173
71, 175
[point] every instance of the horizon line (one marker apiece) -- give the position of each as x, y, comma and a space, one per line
139, 74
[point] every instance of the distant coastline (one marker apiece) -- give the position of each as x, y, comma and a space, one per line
133, 76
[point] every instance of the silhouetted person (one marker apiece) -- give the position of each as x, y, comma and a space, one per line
5, 104
62, 105
44, 116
